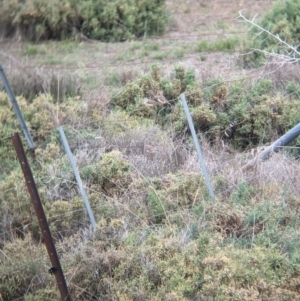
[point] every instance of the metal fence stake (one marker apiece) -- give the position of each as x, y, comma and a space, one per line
284, 140
77, 176
197, 145
39, 211
17, 109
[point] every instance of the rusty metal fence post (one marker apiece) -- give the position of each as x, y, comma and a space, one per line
39, 211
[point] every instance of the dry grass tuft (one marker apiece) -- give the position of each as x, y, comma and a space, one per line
279, 170
29, 82
281, 72
150, 151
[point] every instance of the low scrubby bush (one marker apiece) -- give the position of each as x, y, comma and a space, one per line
42, 116
261, 111
103, 20
111, 175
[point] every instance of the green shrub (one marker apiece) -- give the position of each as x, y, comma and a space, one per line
251, 57
31, 49
180, 193
15, 202
282, 21
293, 89
64, 216
157, 207
102, 19
261, 113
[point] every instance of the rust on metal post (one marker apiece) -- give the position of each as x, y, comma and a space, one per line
39, 211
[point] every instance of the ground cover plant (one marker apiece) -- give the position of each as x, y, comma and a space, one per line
159, 235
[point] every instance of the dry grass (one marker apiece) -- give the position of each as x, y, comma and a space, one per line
279, 170
31, 82
281, 72
150, 151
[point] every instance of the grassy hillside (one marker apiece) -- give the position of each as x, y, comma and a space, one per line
159, 235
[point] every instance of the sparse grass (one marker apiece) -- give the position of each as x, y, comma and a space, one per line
135, 45
205, 10
113, 79
160, 55
31, 82
68, 46
31, 49
221, 25
228, 44
52, 59
144, 53
90, 81
125, 56
178, 53
151, 46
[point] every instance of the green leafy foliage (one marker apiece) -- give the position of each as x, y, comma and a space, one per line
243, 193
42, 115
261, 113
282, 21
103, 20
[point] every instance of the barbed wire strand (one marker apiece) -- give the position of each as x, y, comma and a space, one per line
125, 64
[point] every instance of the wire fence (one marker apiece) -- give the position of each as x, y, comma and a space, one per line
125, 64
120, 203
116, 203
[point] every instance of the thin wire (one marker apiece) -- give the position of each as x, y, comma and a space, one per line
62, 215
95, 67
195, 35
166, 212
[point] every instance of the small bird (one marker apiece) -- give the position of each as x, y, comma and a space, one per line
160, 98
150, 103
229, 132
